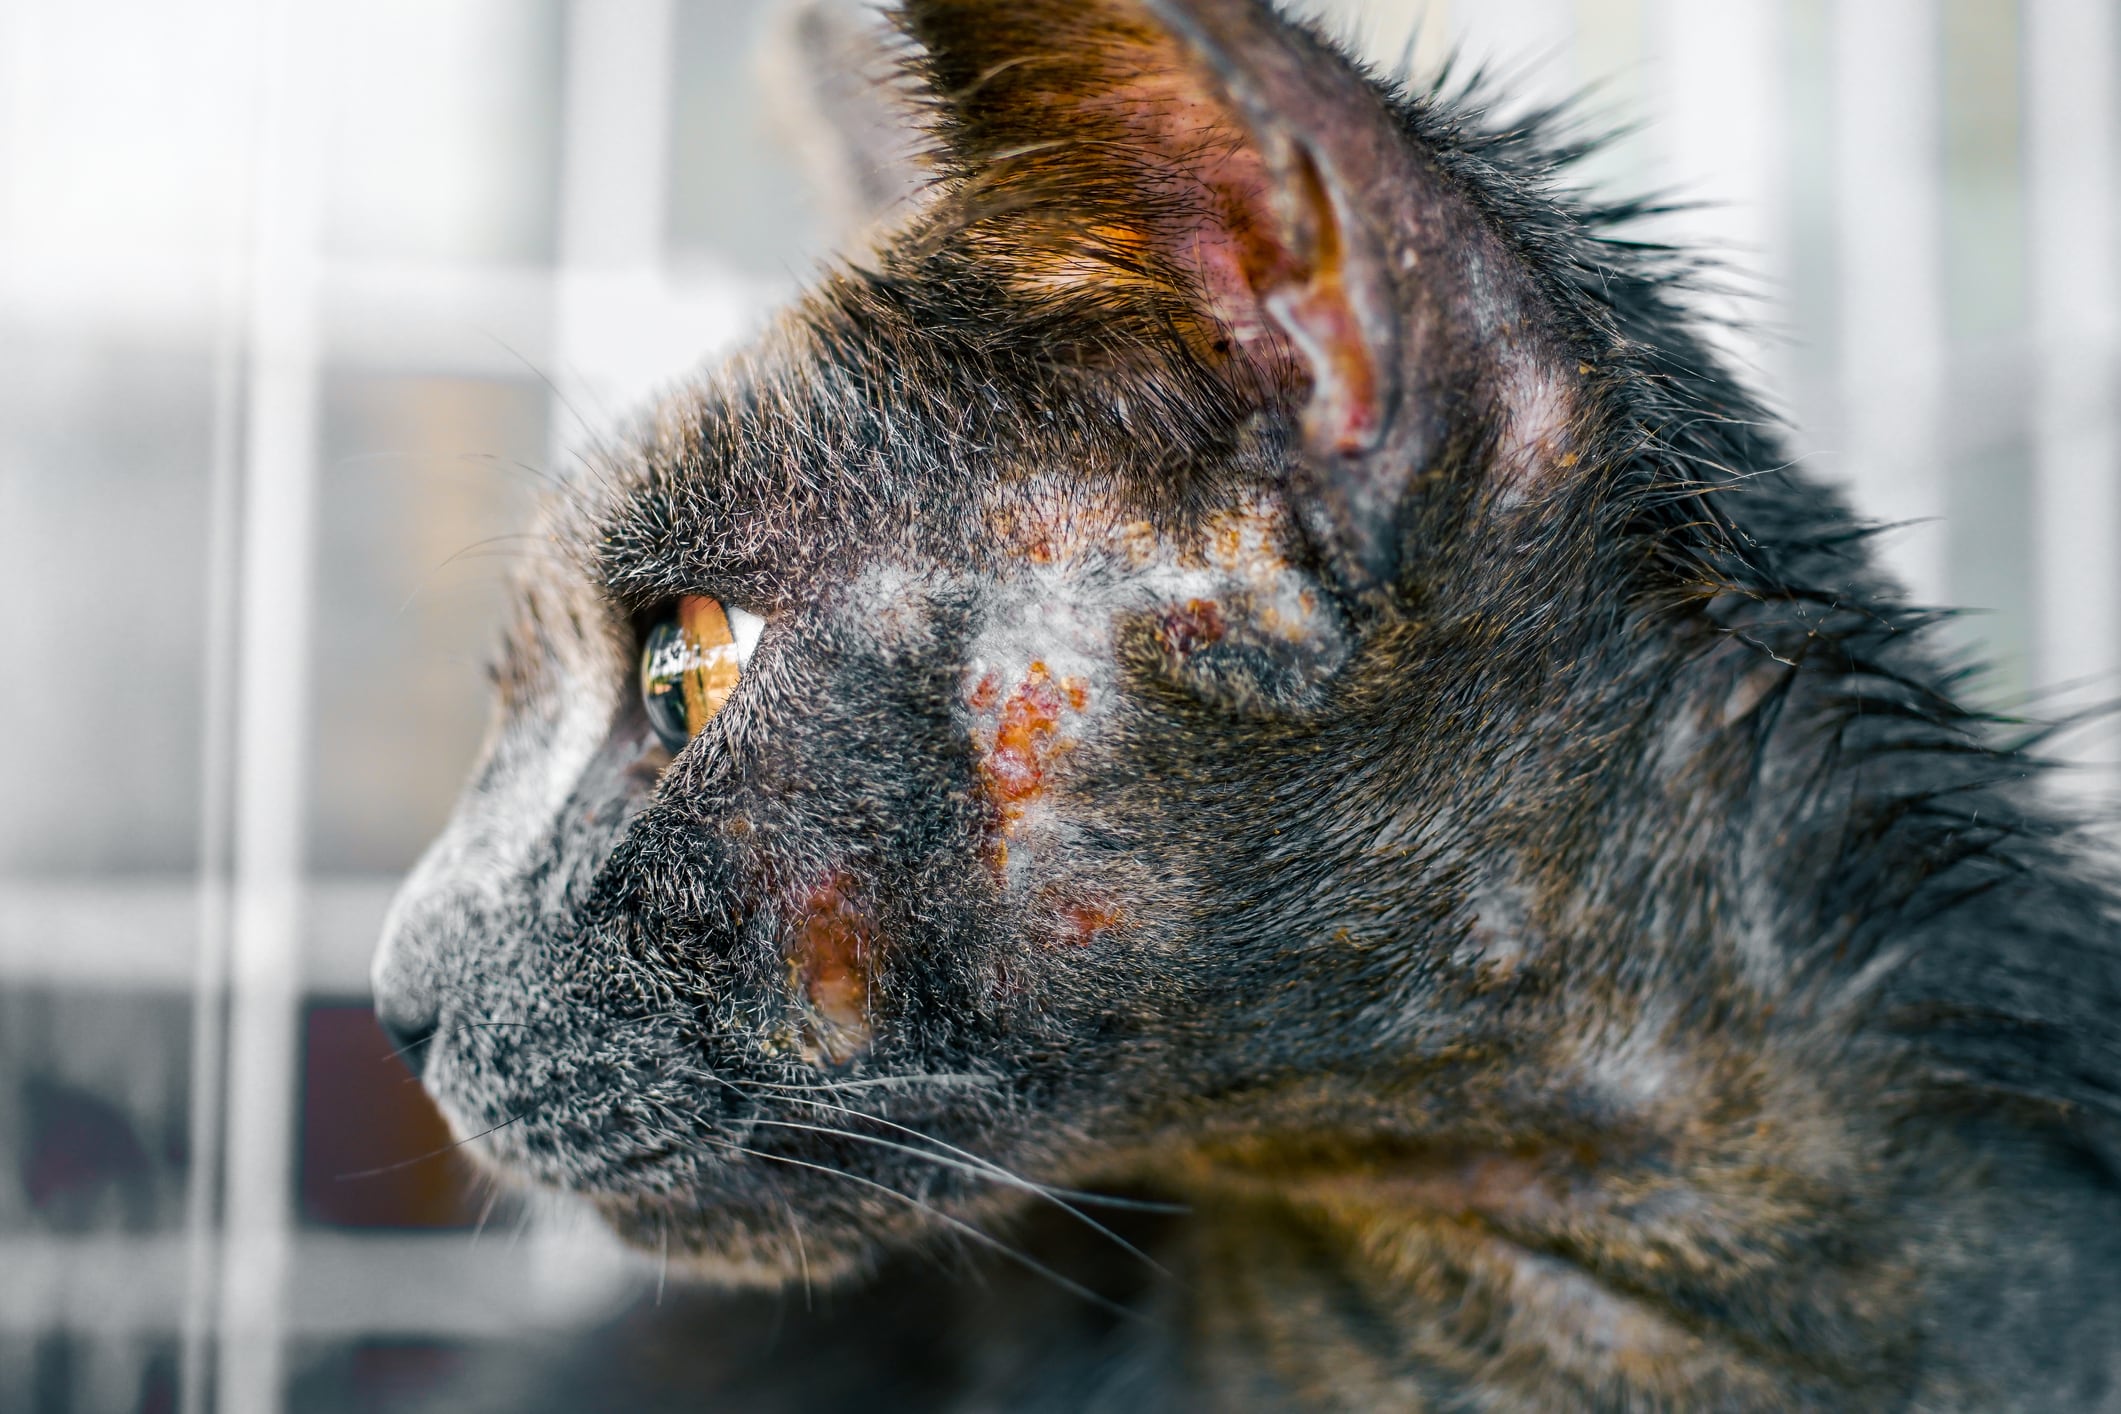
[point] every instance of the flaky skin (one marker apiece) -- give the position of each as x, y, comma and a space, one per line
1297, 690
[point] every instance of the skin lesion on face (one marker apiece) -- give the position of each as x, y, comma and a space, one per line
1227, 575
1186, 629
1077, 918
832, 947
1219, 590
1021, 730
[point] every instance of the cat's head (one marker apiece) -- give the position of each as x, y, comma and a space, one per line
1134, 582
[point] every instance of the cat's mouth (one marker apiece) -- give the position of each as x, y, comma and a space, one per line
784, 1203
689, 1146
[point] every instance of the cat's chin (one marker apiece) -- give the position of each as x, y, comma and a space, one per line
729, 1249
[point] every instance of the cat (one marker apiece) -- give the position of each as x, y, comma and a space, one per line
1241, 734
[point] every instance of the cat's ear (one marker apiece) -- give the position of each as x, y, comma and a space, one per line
1228, 173
829, 69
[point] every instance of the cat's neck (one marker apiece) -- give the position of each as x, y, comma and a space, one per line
1742, 1159
1367, 1298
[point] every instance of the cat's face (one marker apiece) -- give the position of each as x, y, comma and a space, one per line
1099, 790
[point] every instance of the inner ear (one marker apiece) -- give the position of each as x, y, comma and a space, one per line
1108, 160
1207, 170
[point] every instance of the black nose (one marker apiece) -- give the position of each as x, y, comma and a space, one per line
409, 1039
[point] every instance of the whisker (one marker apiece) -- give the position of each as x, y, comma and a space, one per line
802, 1253
943, 1154
987, 1240
1073, 1194
582, 423
952, 1156
993, 1173
531, 537
1000, 1171
401, 1052
880, 1082
662, 1274
432, 1153
493, 1196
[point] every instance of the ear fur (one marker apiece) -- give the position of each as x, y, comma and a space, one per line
1209, 169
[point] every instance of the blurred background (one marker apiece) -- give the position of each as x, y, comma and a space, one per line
299, 306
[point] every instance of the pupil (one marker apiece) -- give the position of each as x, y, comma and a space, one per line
662, 684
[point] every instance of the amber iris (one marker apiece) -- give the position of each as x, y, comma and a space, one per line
689, 666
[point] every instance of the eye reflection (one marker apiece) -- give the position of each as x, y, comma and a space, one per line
690, 665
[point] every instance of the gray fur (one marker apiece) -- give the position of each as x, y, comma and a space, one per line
1547, 920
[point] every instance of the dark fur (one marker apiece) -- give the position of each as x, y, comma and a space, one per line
1594, 963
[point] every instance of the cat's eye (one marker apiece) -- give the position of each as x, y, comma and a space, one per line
690, 665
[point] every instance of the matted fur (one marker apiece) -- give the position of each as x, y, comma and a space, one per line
1297, 687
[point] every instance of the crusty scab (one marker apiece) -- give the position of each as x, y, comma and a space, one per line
1043, 673
1020, 739
832, 954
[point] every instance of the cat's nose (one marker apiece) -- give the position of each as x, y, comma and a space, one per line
408, 1004
409, 1037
